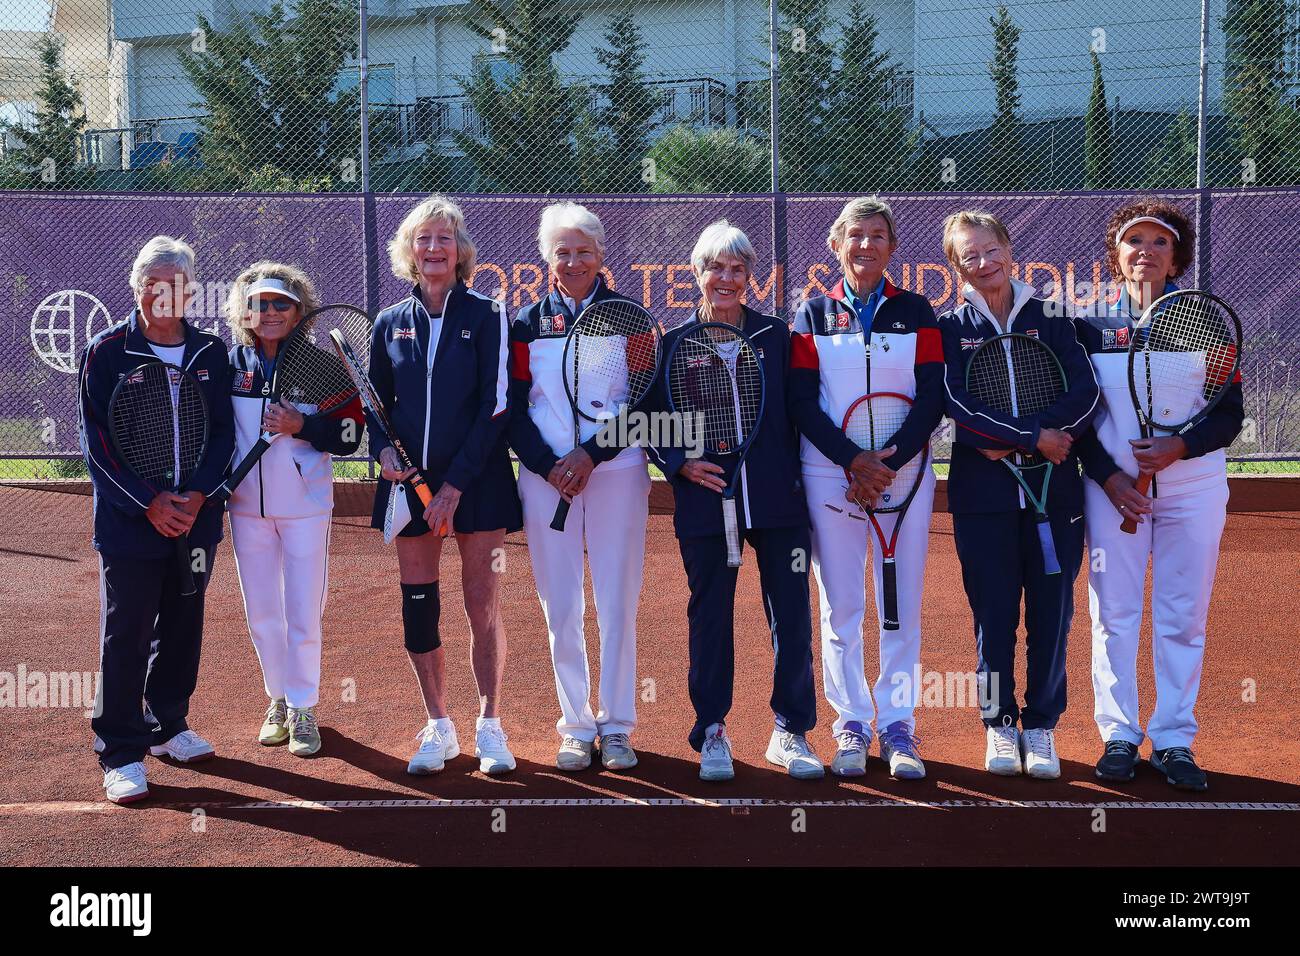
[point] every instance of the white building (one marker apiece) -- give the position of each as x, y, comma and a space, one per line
701, 53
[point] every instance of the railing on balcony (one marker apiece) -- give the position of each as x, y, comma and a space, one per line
752, 99
146, 142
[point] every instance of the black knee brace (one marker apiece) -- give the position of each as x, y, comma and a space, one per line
420, 608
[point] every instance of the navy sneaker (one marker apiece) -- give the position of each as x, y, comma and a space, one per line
1179, 767
1119, 762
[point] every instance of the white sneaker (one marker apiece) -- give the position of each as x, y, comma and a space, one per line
1002, 751
185, 747
436, 748
126, 784
574, 754
792, 752
850, 758
1039, 747
715, 755
494, 757
616, 752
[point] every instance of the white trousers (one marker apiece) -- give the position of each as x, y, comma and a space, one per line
283, 570
839, 563
1182, 544
610, 517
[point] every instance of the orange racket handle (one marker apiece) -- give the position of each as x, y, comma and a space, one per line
1143, 485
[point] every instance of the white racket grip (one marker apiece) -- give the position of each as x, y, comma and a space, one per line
731, 529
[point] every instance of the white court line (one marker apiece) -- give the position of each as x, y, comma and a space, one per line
72, 807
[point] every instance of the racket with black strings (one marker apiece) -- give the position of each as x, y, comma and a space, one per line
871, 422
1018, 375
158, 422
1184, 354
308, 372
714, 375
611, 357
348, 350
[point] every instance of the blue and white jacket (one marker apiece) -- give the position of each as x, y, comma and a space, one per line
975, 483
829, 371
769, 493
1106, 448
121, 499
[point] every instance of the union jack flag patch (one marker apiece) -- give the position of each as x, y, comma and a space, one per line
404, 333
970, 344
135, 378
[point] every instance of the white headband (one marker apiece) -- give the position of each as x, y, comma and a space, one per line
1119, 236
273, 285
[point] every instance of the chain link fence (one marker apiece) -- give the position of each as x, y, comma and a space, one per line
670, 96
159, 114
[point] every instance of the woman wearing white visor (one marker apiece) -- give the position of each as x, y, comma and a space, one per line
280, 514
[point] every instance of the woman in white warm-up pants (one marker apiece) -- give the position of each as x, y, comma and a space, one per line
608, 488
831, 367
1149, 244
280, 513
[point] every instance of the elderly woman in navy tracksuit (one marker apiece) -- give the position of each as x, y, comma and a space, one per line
1149, 244
774, 522
438, 364
280, 513
151, 636
608, 487
994, 526
831, 369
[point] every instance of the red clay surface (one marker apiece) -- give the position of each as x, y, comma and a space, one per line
51, 809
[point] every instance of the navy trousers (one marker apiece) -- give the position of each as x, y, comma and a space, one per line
1001, 559
150, 641
783, 561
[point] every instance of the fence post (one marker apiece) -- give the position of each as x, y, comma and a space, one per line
1201, 273
778, 197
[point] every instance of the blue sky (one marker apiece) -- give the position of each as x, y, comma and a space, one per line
24, 14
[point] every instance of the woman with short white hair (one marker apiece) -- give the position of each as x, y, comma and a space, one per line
151, 635
607, 486
773, 521
438, 364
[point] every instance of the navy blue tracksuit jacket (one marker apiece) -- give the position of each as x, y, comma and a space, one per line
151, 637
450, 415
774, 521
994, 525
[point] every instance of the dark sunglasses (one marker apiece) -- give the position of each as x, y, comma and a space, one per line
280, 305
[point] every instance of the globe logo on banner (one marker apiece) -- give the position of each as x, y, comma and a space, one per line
62, 325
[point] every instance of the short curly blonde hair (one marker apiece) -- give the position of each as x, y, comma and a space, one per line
402, 257
237, 301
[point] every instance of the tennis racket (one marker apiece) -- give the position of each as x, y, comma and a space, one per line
611, 357
158, 421
872, 422
1018, 375
308, 371
1183, 354
715, 376
375, 411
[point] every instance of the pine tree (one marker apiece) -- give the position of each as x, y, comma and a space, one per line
805, 63
269, 86
613, 141
528, 118
52, 148
1098, 147
877, 147
1265, 121
1005, 157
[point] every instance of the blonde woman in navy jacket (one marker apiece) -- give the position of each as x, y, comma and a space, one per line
993, 523
828, 373
280, 513
1149, 244
608, 487
438, 362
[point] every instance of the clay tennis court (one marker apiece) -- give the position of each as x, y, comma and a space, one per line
355, 804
